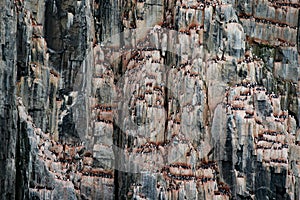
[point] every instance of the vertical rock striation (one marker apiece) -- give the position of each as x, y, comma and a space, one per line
149, 99
8, 116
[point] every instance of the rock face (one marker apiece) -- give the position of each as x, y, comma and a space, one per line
149, 99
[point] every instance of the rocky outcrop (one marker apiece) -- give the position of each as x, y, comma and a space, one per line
259, 137
149, 99
51, 170
8, 116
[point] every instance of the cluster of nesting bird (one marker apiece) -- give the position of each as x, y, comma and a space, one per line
265, 142
285, 4
272, 132
175, 179
186, 177
207, 165
149, 147
282, 5
199, 5
273, 22
186, 69
181, 177
97, 172
223, 189
103, 113
284, 43
71, 158
183, 171
248, 59
245, 16
279, 160
237, 102
181, 165
271, 136
262, 137
151, 95
276, 23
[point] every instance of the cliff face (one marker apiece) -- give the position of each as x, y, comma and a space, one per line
149, 99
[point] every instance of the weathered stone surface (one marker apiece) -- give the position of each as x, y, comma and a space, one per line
149, 99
